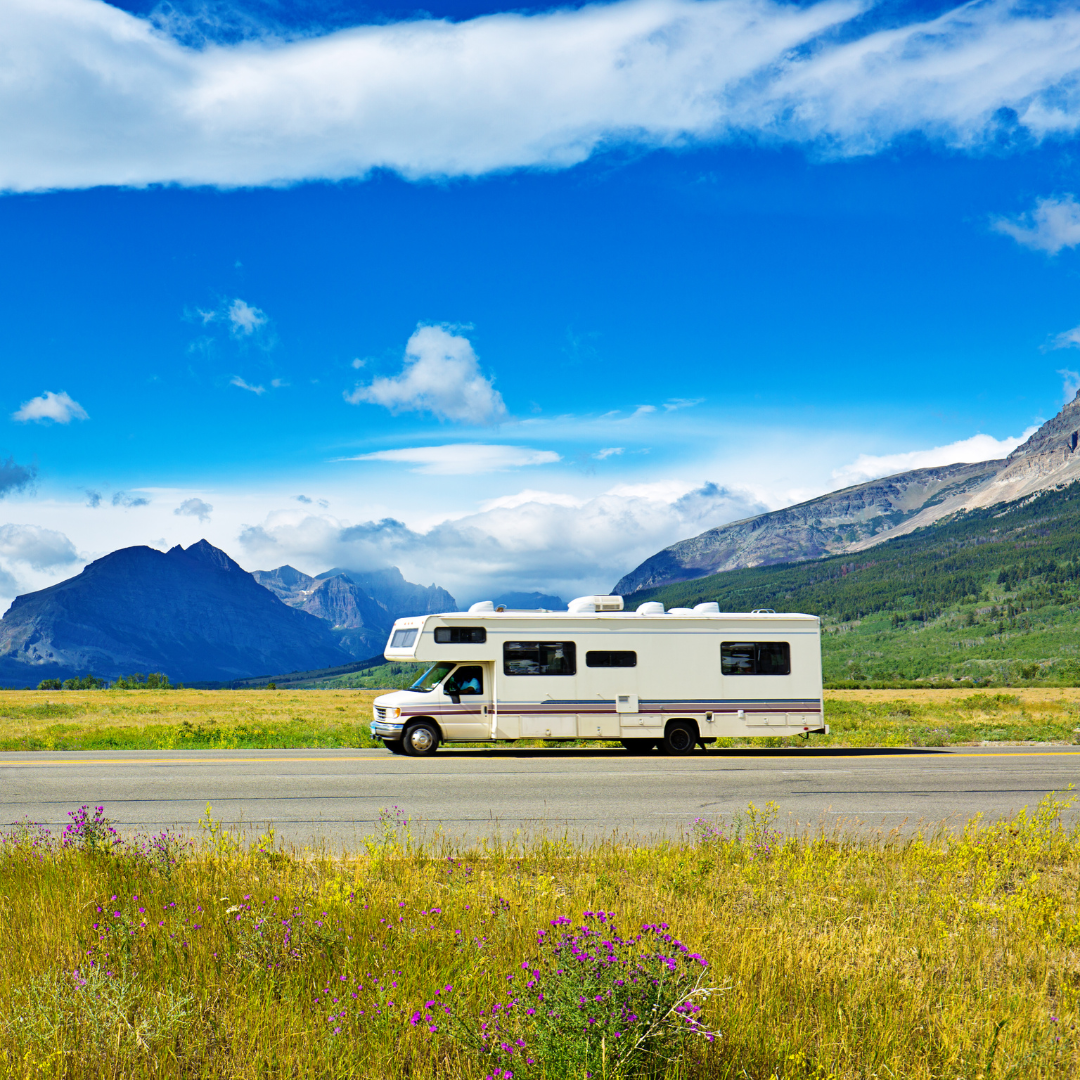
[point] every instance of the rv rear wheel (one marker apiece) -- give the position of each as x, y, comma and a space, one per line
421, 739
638, 746
394, 746
680, 737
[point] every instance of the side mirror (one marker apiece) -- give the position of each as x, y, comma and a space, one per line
455, 698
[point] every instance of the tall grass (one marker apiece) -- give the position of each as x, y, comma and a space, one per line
268, 719
944, 956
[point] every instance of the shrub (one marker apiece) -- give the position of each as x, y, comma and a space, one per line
592, 1001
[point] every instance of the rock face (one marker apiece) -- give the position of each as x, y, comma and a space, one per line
193, 614
359, 605
859, 517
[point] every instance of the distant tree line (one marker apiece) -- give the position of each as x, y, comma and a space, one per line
154, 681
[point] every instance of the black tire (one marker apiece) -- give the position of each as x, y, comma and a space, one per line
421, 739
394, 746
638, 746
680, 737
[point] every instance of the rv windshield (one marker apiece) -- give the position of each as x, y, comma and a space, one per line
432, 677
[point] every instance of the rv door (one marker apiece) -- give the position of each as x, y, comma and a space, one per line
467, 690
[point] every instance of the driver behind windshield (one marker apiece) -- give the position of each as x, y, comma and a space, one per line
466, 680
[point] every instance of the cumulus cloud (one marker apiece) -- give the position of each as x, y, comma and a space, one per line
128, 501
244, 319
59, 408
93, 499
194, 508
237, 381
977, 448
41, 549
1053, 224
95, 95
15, 477
460, 459
545, 541
441, 375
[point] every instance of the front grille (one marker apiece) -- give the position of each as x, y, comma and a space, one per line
380, 713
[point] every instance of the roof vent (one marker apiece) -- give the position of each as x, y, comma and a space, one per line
763, 611
680, 611
595, 603
481, 605
707, 609
651, 607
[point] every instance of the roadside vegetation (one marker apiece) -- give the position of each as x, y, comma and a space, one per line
733, 952
281, 719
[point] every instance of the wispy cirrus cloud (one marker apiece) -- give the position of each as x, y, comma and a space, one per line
95, 95
459, 459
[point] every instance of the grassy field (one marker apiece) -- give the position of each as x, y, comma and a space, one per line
723, 955
277, 719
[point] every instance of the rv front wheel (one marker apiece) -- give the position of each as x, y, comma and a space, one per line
638, 746
680, 737
421, 739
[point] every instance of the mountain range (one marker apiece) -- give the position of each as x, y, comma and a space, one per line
197, 616
359, 605
860, 517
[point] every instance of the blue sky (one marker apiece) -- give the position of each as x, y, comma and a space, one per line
514, 300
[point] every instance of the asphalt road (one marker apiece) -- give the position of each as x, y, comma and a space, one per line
336, 795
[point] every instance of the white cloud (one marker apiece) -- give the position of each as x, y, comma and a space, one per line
441, 375
1070, 386
244, 385
122, 498
608, 451
463, 458
245, 319
977, 448
41, 549
194, 508
537, 540
1053, 224
94, 95
57, 407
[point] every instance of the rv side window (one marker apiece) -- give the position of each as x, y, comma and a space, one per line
460, 635
403, 639
539, 658
755, 658
610, 659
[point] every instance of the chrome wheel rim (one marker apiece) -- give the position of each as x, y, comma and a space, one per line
421, 739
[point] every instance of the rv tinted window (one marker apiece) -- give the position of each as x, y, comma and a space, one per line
539, 658
611, 659
460, 635
755, 658
403, 639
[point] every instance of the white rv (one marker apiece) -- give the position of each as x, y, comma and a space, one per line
648, 677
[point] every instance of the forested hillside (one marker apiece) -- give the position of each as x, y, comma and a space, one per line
991, 594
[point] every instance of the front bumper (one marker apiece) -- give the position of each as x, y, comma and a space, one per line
387, 729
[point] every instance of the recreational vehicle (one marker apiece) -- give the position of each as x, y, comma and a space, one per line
647, 678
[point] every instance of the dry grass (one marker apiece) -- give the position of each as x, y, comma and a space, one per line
277, 719
933, 958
